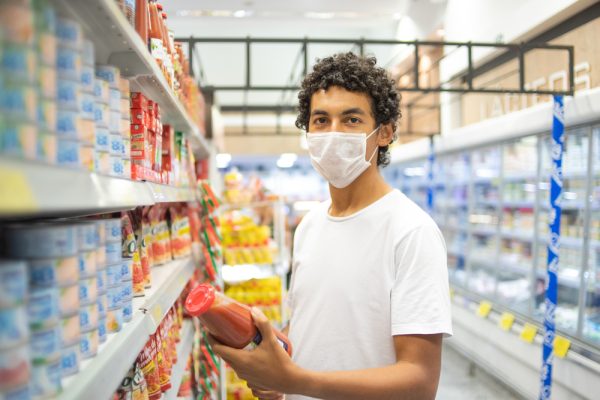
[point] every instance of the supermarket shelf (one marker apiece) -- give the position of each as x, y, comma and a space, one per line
520, 177
455, 252
518, 204
483, 231
117, 43
184, 348
244, 272
35, 188
454, 228
101, 375
517, 234
168, 282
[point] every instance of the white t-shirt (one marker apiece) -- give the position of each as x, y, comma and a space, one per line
359, 280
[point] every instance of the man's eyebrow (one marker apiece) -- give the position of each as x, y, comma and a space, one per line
355, 110
319, 112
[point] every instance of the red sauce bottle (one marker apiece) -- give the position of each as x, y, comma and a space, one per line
227, 320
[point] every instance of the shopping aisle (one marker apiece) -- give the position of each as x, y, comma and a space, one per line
457, 382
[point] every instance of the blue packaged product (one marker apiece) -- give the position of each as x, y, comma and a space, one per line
102, 330
18, 139
101, 114
115, 145
101, 276
13, 283
18, 63
53, 271
110, 74
68, 63
68, 124
127, 269
40, 240
68, 94
68, 153
113, 297
70, 360
43, 307
87, 106
17, 393
117, 168
87, 79
87, 233
115, 100
69, 33
89, 316
113, 230
102, 139
88, 291
87, 264
102, 305
46, 379
88, 345
114, 275
113, 253
14, 328
45, 344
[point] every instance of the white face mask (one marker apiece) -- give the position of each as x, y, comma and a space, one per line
339, 157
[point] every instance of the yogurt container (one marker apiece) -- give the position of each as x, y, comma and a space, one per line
127, 269
127, 168
17, 393
20, 101
13, 283
115, 144
114, 99
68, 124
126, 154
14, 327
54, 271
114, 320
40, 240
101, 257
18, 63
87, 233
87, 157
114, 296
127, 310
87, 79
110, 74
15, 367
70, 330
113, 252
113, 230
88, 291
87, 264
102, 330
125, 127
68, 63
47, 148
102, 164
46, 378
45, 345
114, 122
88, 345
102, 305
101, 280
68, 299
88, 317
102, 91
87, 106
114, 275
68, 94
117, 167
69, 33
102, 141
19, 139
70, 360
102, 231
43, 307
68, 153
101, 114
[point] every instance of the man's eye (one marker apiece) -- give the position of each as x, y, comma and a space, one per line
321, 120
354, 120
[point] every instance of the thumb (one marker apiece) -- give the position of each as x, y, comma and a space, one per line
263, 324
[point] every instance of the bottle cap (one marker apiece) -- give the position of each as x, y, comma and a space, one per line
200, 299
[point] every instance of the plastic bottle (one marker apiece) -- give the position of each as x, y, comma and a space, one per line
156, 43
142, 19
227, 320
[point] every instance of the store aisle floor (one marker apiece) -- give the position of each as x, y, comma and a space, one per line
457, 384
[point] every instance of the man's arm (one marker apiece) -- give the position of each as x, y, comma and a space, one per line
414, 376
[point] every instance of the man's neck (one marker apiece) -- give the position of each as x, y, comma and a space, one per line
365, 190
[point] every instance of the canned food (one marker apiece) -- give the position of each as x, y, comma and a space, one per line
18, 393
113, 252
70, 360
115, 144
20, 101
113, 230
127, 290
69, 153
88, 131
69, 33
101, 279
19, 139
69, 299
88, 55
88, 345
114, 100
13, 283
46, 148
110, 74
15, 367
127, 311
101, 224
101, 114
40, 240
18, 63
101, 257
101, 91
45, 344
87, 264
14, 328
69, 124
102, 166
102, 305
102, 142
43, 307
70, 330
127, 269
113, 275
88, 317
87, 80
87, 235
68, 95
102, 330
113, 297
114, 320
116, 166
68, 63
87, 106
88, 291
46, 378
48, 83
54, 271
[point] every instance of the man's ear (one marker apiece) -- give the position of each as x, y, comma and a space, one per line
386, 135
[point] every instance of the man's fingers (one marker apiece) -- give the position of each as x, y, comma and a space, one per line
263, 324
229, 354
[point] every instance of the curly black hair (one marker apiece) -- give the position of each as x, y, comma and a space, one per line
356, 74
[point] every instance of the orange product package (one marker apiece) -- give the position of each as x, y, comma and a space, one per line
148, 234
147, 363
165, 233
158, 250
164, 376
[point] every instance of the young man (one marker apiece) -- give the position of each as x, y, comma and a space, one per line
369, 291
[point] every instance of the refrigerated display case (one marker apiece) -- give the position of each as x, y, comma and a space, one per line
491, 203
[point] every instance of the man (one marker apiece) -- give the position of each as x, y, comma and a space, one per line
369, 291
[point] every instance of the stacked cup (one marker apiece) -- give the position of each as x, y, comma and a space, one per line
101, 277
114, 290
88, 289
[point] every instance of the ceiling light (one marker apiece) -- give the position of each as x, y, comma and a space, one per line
223, 160
319, 15
242, 13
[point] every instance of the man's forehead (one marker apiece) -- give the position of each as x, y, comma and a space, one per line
336, 99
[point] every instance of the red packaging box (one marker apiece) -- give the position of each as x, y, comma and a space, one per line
138, 100
139, 133
138, 116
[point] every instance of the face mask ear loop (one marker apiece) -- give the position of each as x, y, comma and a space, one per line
376, 148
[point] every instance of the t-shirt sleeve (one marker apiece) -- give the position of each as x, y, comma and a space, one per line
420, 298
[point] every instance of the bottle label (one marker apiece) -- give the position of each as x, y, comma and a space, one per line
156, 48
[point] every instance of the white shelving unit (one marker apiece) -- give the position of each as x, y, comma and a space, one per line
101, 375
117, 43
184, 348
